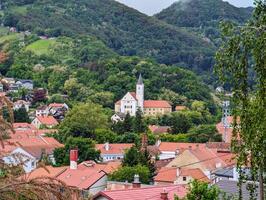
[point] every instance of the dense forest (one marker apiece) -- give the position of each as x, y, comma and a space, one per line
125, 30
204, 16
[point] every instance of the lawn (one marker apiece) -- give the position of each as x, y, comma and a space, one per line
9, 37
41, 47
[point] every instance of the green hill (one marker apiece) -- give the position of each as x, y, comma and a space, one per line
123, 29
202, 13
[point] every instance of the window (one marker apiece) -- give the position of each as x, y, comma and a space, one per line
184, 178
32, 164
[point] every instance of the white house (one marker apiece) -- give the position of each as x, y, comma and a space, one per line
21, 103
118, 117
21, 156
47, 121
112, 151
42, 111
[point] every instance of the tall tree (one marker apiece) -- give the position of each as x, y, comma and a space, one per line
244, 51
21, 115
139, 125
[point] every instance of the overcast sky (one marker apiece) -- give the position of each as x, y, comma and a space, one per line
151, 7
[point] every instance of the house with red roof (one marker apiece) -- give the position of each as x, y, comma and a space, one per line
154, 193
133, 101
175, 176
112, 151
45, 121
203, 158
172, 149
28, 151
155, 129
89, 177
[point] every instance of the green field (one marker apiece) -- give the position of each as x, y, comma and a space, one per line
9, 37
41, 47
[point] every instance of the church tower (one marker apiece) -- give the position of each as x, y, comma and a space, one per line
140, 93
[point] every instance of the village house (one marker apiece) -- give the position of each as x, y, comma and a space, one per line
44, 121
155, 129
58, 110
133, 101
176, 176
42, 111
203, 158
172, 149
28, 151
112, 151
118, 117
88, 176
27, 84
20, 104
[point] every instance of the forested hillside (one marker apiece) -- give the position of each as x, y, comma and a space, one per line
85, 69
204, 16
125, 30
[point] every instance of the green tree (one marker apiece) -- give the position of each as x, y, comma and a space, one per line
82, 120
202, 191
127, 174
86, 150
105, 135
204, 133
180, 123
138, 124
131, 157
105, 99
21, 115
243, 51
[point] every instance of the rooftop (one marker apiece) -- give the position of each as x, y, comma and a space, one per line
113, 148
156, 104
153, 193
47, 120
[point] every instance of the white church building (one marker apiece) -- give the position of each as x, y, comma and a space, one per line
133, 101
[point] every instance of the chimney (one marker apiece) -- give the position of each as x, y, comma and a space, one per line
158, 142
164, 195
178, 172
144, 141
73, 159
107, 146
136, 183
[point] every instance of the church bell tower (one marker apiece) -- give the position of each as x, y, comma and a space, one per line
140, 93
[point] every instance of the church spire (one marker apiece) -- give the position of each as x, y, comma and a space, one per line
140, 81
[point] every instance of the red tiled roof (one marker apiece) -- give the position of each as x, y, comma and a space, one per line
82, 177
180, 108
173, 146
23, 126
56, 105
47, 120
118, 102
169, 174
34, 145
159, 129
153, 193
113, 148
47, 171
133, 94
156, 104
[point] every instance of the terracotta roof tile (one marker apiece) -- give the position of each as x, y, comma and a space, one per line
173, 146
153, 193
156, 104
47, 120
113, 148
180, 108
169, 174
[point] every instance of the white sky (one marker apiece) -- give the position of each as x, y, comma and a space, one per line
151, 7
